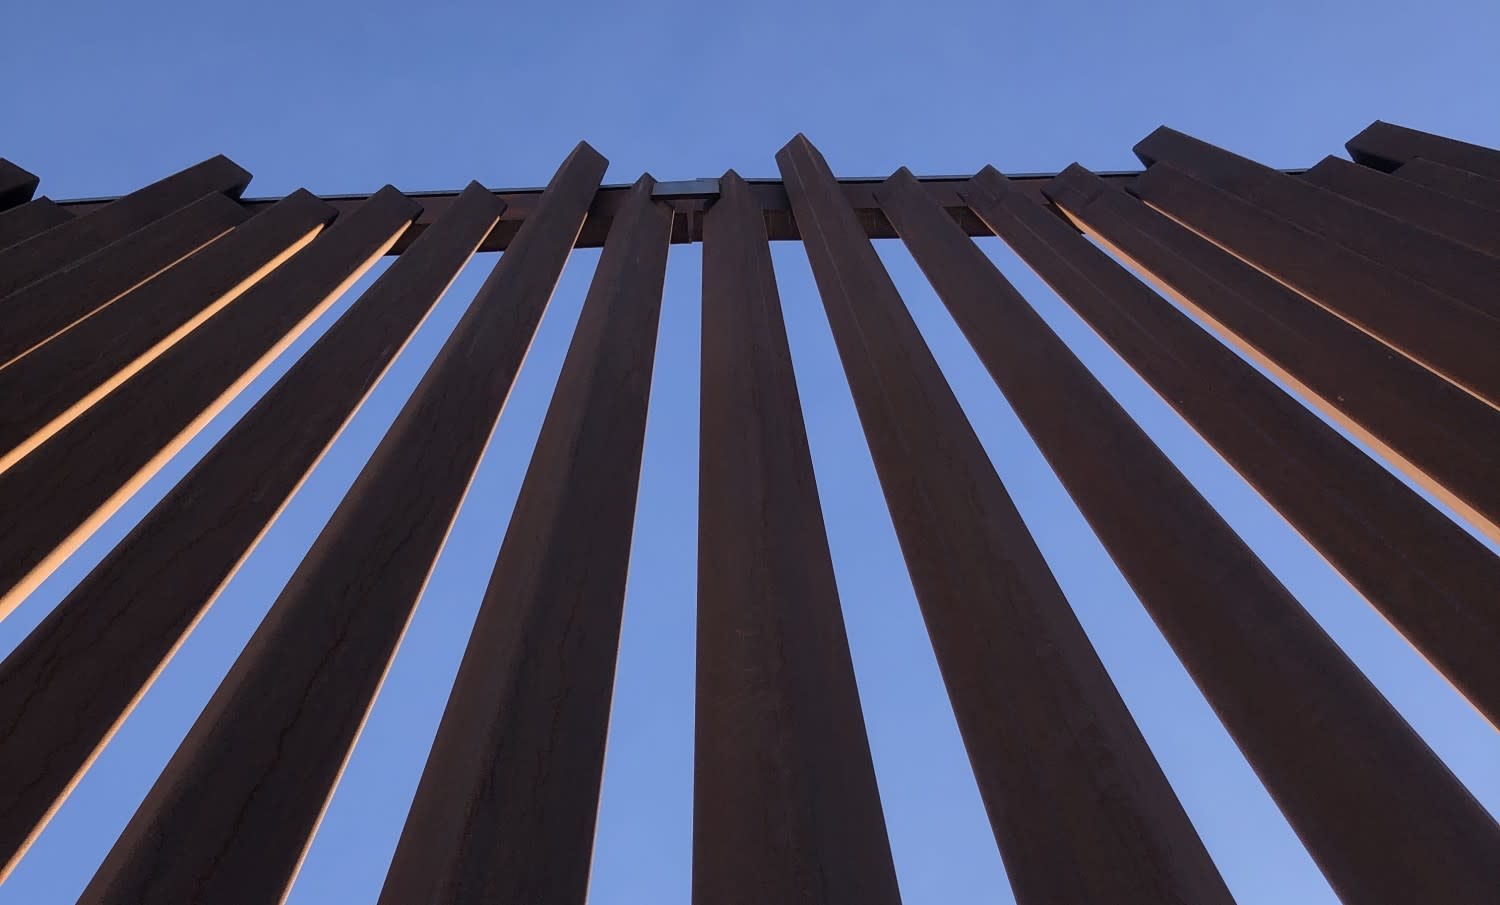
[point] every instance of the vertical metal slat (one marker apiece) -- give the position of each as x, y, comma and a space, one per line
1453, 269
506, 805
49, 307
237, 804
99, 650
54, 497
1386, 146
16, 185
1445, 335
32, 218
58, 249
1060, 763
1290, 698
1452, 182
785, 806
1460, 221
59, 380
1441, 437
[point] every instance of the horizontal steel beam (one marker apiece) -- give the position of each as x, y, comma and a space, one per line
689, 198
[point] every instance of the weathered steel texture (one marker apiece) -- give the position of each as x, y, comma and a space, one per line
1445, 265
1059, 761
506, 806
16, 185
59, 248
785, 806
1433, 432
1439, 436
230, 817
1452, 182
1368, 290
687, 203
1386, 146
99, 650
43, 309
60, 379
1387, 827
54, 498
1447, 336
24, 221
1460, 221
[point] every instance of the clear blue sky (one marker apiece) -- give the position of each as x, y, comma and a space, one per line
338, 97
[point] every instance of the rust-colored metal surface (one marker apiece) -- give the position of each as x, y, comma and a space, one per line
16, 185
1386, 146
1391, 826
505, 809
1356, 298
1437, 435
60, 379
43, 309
1446, 335
64, 489
261, 761
1449, 267
24, 221
1428, 577
1460, 221
785, 807
107, 640
262, 742
94, 230
1470, 188
1011, 651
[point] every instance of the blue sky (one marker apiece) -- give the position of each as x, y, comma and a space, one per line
343, 97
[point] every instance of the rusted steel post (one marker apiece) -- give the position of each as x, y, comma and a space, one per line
785, 807
1439, 436
99, 649
57, 249
32, 218
506, 805
1444, 265
231, 815
1447, 336
59, 380
1379, 812
1452, 182
54, 497
16, 185
1461, 221
1386, 146
1060, 764
50, 306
